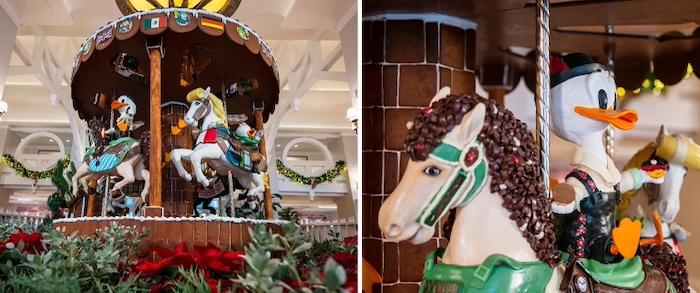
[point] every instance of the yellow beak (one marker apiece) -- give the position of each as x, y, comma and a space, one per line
122, 126
623, 119
116, 105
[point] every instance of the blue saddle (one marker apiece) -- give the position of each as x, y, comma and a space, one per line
105, 163
241, 160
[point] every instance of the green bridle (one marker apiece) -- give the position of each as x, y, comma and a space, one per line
466, 180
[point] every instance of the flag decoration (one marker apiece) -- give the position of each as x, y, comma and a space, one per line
104, 36
157, 22
212, 22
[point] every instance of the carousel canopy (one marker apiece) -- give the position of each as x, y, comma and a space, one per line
224, 7
200, 49
647, 35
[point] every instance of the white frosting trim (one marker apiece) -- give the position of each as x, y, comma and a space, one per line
167, 11
172, 219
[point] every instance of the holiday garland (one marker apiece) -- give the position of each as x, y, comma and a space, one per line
295, 177
31, 174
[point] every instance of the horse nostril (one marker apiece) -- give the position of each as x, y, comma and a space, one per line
394, 231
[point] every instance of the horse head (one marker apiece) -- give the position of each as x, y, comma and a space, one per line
469, 153
435, 181
682, 154
205, 109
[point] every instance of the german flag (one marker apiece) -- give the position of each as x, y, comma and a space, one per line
212, 22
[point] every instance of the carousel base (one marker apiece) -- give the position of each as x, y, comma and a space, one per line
228, 234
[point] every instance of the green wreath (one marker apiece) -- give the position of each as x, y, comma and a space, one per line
327, 176
31, 174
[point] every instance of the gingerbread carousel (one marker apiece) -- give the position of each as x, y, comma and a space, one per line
175, 97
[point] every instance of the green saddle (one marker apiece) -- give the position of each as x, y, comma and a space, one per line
627, 274
130, 141
498, 273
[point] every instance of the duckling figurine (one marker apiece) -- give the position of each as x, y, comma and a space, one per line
583, 105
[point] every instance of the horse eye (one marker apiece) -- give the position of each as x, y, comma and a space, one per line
432, 171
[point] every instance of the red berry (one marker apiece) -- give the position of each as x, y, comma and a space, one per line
428, 111
515, 160
420, 147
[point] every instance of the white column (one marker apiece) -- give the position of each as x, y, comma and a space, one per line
348, 28
4, 193
8, 33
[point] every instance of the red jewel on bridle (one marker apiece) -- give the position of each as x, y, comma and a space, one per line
471, 157
428, 110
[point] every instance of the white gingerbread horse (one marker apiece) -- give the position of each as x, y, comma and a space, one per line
206, 110
682, 154
123, 157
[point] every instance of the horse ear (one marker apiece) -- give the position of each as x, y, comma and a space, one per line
441, 94
660, 138
470, 128
205, 96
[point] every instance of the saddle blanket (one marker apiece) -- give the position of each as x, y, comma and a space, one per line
104, 163
111, 157
241, 160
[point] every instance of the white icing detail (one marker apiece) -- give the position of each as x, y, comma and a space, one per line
539, 236
523, 227
495, 109
517, 141
196, 13
502, 187
10, 245
172, 219
529, 162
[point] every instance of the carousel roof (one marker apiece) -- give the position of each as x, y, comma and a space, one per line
645, 32
207, 47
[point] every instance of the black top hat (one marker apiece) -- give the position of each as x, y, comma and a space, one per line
571, 65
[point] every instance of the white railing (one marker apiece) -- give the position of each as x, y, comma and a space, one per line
318, 231
16, 218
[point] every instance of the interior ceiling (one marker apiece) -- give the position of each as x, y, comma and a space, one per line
286, 25
507, 23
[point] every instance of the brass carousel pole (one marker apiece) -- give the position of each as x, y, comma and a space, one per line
269, 212
542, 90
155, 49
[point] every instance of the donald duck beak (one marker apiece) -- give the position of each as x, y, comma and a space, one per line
623, 119
116, 105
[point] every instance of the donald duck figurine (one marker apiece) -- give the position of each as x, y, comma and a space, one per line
127, 110
583, 106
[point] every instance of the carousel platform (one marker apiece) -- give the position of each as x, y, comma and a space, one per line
228, 234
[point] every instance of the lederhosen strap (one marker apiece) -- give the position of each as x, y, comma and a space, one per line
580, 224
591, 187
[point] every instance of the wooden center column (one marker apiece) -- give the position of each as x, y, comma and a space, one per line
155, 154
269, 212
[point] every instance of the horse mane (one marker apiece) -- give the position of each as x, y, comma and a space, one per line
145, 146
218, 105
513, 165
95, 126
635, 162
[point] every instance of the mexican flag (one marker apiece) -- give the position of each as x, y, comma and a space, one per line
157, 22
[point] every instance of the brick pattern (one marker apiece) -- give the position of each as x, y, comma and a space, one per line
177, 194
226, 235
405, 62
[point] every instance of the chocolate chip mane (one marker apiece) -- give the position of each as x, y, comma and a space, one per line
514, 169
672, 264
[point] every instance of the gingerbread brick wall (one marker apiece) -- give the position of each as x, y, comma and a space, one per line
405, 63
169, 232
177, 194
